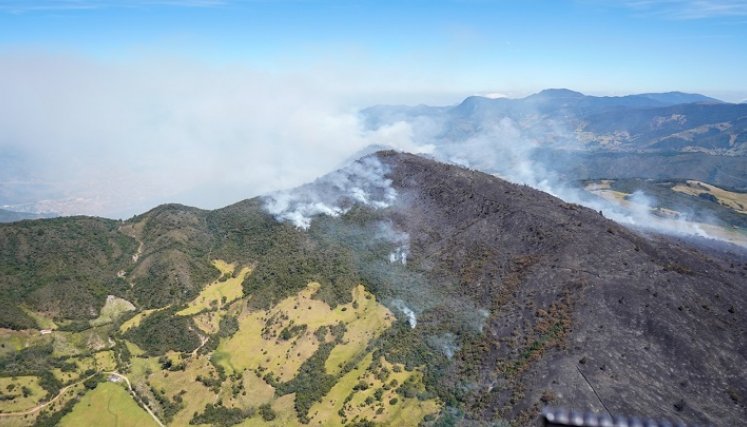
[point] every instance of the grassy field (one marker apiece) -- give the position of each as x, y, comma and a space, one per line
134, 349
365, 319
141, 368
258, 391
109, 404
731, 200
256, 345
183, 383
220, 292
23, 393
281, 339
112, 310
105, 361
259, 343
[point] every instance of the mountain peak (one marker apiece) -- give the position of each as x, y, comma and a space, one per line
559, 93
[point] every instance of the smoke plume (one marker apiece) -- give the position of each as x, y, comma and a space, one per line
363, 182
400, 305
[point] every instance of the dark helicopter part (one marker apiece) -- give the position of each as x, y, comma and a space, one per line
563, 418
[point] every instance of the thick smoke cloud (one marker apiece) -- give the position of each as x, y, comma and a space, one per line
117, 137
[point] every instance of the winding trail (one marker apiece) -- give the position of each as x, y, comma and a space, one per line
49, 402
203, 341
63, 390
139, 251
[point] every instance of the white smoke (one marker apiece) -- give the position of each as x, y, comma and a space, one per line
407, 311
399, 255
503, 147
363, 182
640, 211
387, 231
445, 343
483, 317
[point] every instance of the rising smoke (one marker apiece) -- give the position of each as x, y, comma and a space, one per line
400, 305
506, 148
363, 182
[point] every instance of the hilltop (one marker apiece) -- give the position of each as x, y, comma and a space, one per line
398, 290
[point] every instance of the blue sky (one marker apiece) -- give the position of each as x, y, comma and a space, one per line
433, 47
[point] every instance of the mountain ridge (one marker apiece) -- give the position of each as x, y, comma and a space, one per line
505, 298
561, 118
13, 216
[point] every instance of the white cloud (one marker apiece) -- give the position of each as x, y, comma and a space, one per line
494, 95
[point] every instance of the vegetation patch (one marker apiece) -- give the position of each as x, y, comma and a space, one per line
162, 331
13, 341
220, 416
63, 267
105, 361
81, 343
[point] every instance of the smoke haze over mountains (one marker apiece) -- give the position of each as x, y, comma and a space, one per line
114, 139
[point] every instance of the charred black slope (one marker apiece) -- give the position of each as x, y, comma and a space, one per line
582, 312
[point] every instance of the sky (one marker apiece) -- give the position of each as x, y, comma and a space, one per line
113, 106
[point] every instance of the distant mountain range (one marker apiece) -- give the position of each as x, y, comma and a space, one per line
12, 216
561, 118
558, 137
